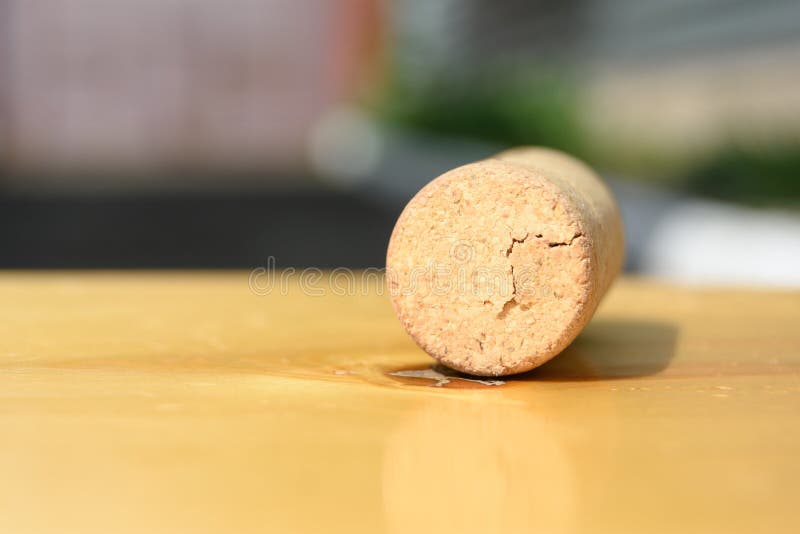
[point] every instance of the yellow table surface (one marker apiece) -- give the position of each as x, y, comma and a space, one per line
184, 402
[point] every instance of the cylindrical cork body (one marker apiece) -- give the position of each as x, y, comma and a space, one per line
496, 266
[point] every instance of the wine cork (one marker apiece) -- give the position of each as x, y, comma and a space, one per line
495, 267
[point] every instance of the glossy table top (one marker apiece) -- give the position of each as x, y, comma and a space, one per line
189, 402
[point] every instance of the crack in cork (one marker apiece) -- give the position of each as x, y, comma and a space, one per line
514, 241
512, 302
564, 243
480, 341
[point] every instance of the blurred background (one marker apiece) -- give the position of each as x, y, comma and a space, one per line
207, 134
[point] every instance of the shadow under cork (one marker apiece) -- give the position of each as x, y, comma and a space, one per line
607, 349
610, 349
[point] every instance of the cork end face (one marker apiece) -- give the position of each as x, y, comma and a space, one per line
490, 269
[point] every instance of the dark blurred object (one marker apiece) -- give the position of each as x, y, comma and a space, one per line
319, 228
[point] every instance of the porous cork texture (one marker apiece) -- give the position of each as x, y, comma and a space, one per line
495, 267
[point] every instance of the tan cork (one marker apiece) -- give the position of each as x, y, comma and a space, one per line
495, 267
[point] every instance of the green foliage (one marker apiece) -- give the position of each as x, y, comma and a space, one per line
746, 174
521, 110
544, 109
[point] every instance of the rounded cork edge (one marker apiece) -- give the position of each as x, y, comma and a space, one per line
566, 331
